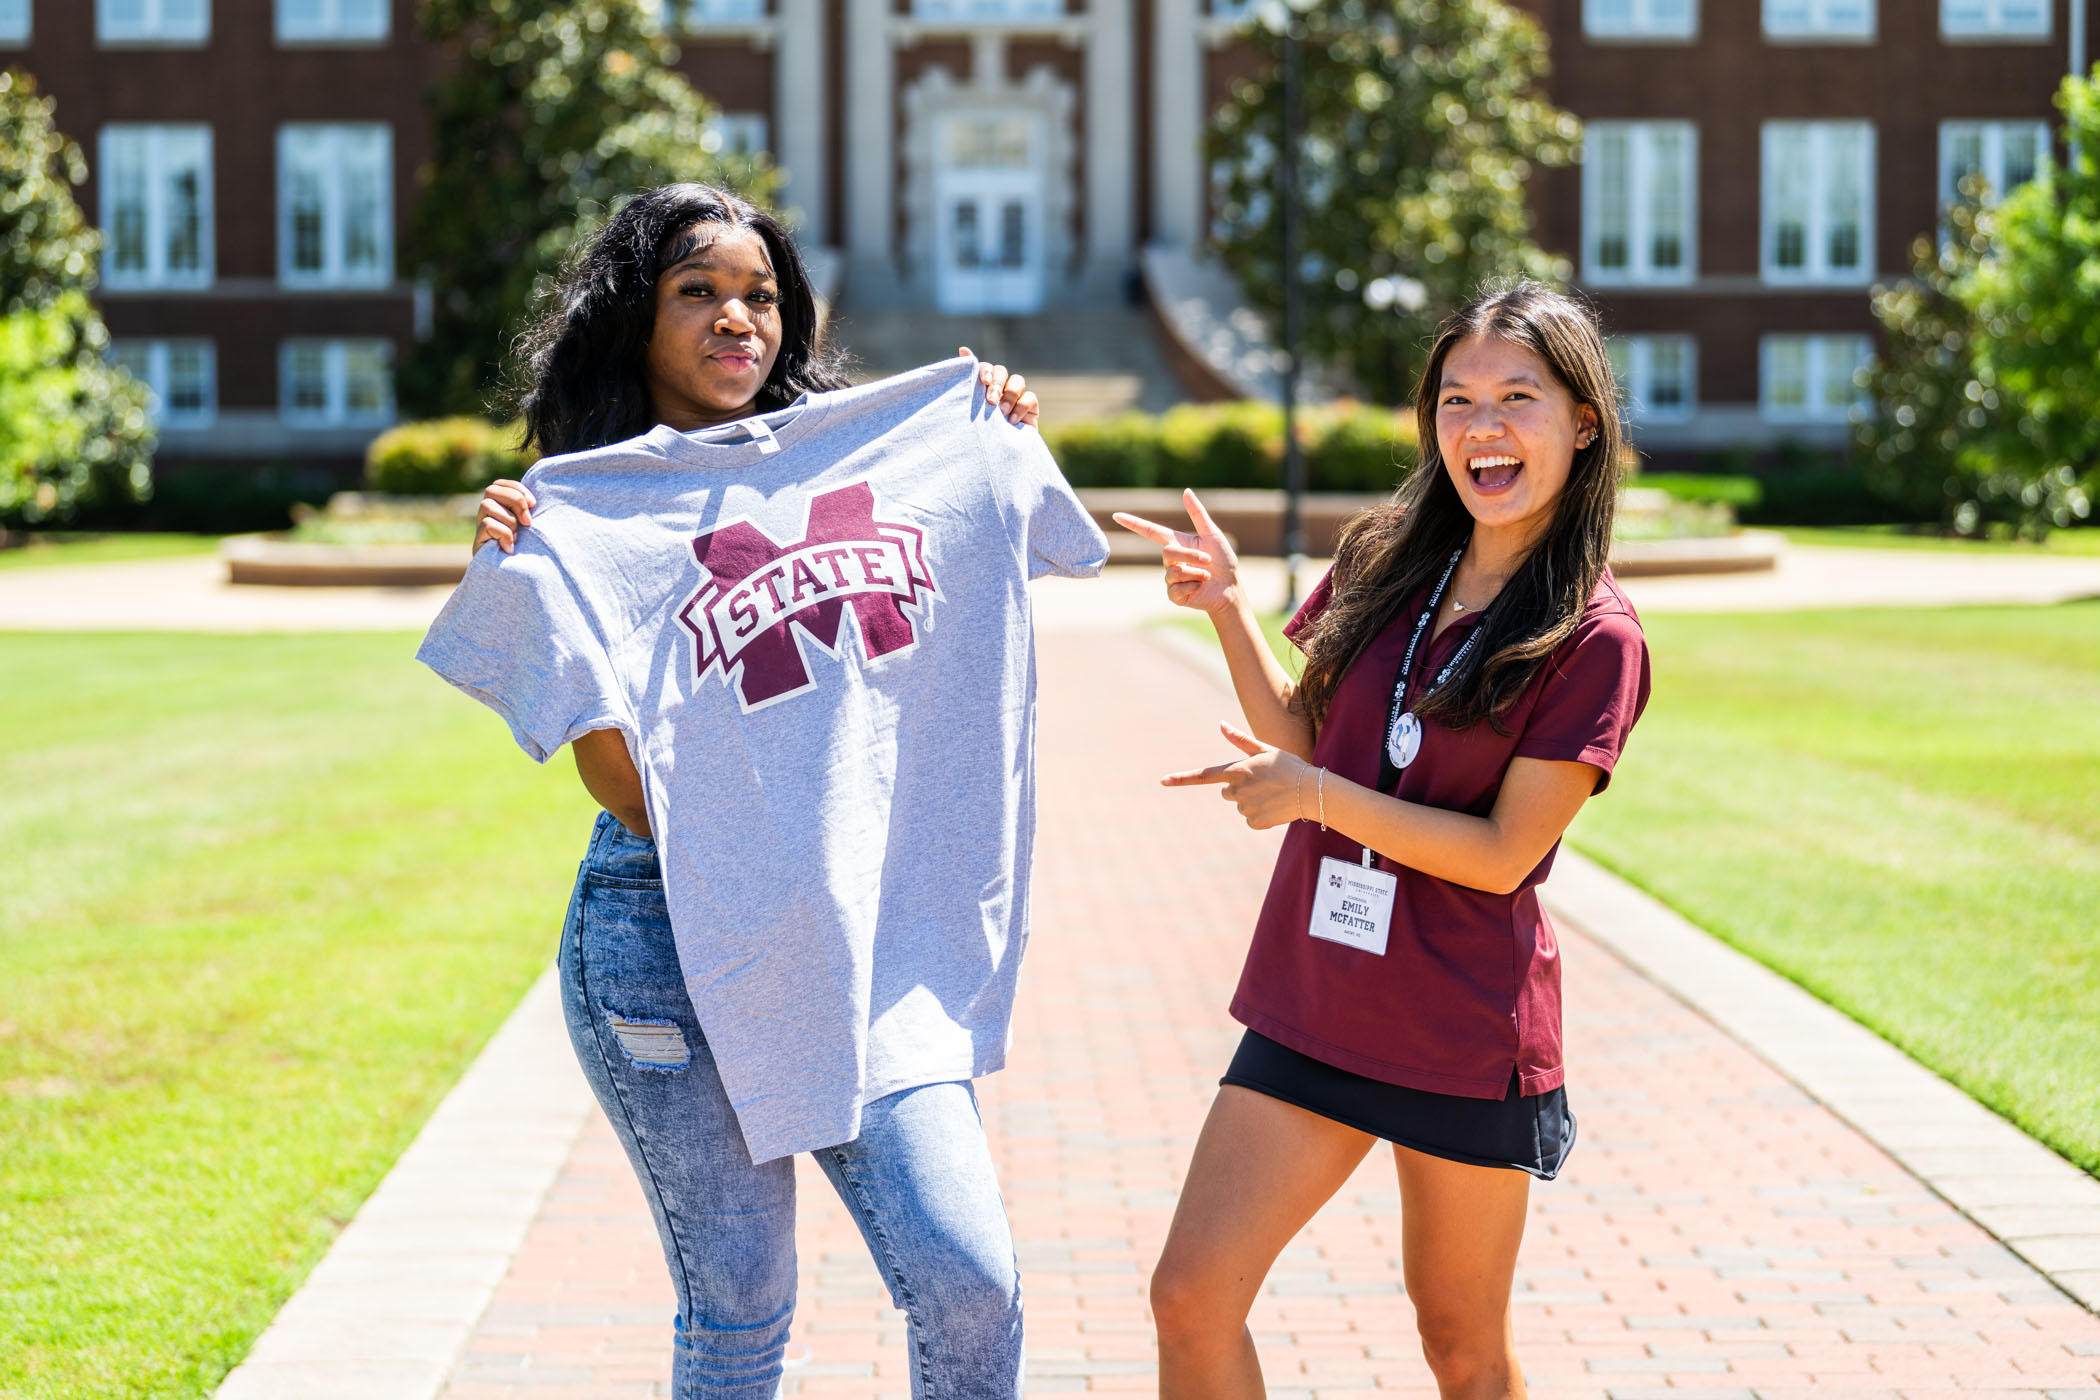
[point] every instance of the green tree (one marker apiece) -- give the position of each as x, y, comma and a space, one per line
548, 112
73, 427
1422, 122
1988, 387
1930, 407
2038, 341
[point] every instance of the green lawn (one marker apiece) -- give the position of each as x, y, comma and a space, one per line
1900, 810
265, 898
72, 548
2081, 543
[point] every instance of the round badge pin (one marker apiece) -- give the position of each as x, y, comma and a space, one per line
1405, 741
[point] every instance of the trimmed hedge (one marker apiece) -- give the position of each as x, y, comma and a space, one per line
1796, 495
444, 457
1348, 447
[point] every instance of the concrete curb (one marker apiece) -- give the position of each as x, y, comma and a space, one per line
2040, 1206
386, 1312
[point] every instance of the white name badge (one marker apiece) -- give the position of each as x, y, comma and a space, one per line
1353, 904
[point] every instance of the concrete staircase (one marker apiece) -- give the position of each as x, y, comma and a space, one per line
1081, 364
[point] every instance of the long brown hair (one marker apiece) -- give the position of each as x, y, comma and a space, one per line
1391, 552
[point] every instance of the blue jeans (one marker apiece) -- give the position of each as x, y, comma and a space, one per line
918, 1180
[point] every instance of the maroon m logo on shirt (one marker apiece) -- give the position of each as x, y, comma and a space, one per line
759, 591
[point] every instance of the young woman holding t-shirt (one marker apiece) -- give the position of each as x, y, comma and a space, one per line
1471, 674
690, 309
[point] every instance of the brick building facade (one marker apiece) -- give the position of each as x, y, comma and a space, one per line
1752, 167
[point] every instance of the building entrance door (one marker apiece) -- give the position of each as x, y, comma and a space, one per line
988, 213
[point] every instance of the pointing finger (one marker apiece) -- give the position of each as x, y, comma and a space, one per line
1204, 524
1158, 534
1216, 773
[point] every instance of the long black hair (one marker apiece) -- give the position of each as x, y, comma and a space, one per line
1388, 554
580, 381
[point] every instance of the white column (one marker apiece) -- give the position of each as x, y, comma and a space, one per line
870, 115
1111, 136
799, 109
1178, 64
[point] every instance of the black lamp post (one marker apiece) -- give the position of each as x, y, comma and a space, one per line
1287, 192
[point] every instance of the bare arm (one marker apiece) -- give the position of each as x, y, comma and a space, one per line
609, 775
1203, 573
1539, 797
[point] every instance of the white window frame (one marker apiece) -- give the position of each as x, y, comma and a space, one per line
1641, 22
155, 140
151, 361
1643, 167
699, 16
17, 23
747, 131
154, 25
335, 412
1816, 356
1991, 139
1818, 223
1823, 23
1639, 354
337, 141
1992, 24
993, 11
333, 27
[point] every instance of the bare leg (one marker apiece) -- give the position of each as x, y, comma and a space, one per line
1460, 1227
1262, 1168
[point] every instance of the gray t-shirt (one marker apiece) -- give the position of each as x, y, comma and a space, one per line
813, 629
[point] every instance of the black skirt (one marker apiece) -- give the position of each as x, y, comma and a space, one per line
1528, 1132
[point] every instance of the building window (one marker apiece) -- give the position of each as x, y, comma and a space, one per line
2006, 154
737, 133
1002, 11
181, 378
1657, 376
1640, 19
1818, 201
1810, 378
335, 216
337, 383
156, 206
14, 22
1638, 205
1819, 19
152, 21
1995, 19
324, 21
697, 15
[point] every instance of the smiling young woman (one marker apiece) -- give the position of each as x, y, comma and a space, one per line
1472, 673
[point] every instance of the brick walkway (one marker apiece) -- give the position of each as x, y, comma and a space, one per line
1716, 1235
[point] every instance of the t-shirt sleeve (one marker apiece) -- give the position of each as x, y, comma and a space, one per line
1595, 687
1309, 611
515, 636
1061, 536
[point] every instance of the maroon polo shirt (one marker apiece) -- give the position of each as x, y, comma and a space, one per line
1468, 989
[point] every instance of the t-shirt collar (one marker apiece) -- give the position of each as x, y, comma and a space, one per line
733, 444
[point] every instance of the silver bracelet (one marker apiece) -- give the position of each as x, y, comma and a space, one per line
1322, 790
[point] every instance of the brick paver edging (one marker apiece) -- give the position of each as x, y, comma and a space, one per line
386, 1312
2044, 1209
